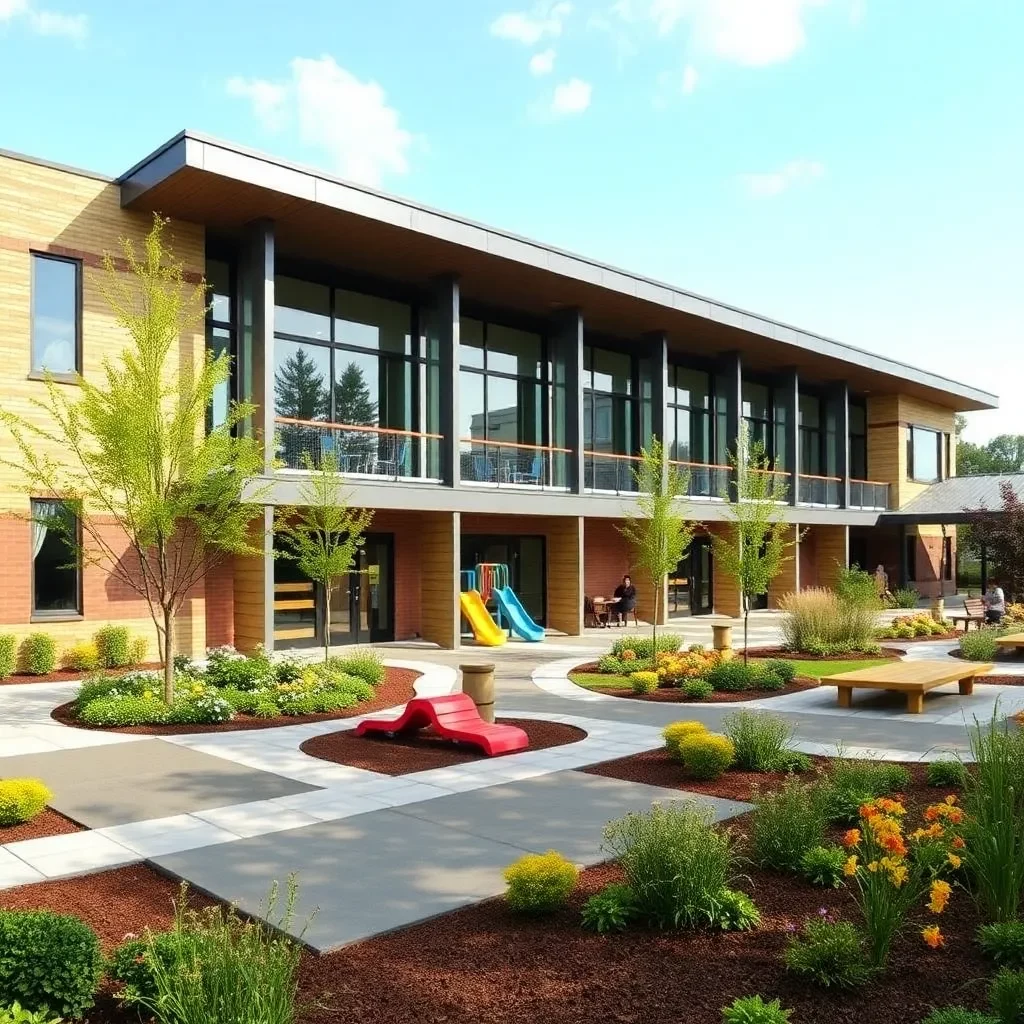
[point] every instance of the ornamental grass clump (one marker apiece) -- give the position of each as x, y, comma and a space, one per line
980, 644
850, 783
828, 953
760, 740
786, 824
540, 883
819, 621
754, 1010
892, 872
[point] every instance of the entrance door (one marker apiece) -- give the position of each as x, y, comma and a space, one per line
362, 601
525, 558
689, 588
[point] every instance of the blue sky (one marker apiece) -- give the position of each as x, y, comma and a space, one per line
853, 167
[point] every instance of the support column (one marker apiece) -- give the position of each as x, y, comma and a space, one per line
254, 588
443, 331
788, 581
256, 350
565, 574
730, 380
567, 343
840, 402
439, 536
904, 568
658, 348
792, 393
727, 600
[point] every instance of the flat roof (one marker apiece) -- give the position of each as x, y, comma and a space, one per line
222, 184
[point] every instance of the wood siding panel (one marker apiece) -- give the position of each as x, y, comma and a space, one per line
726, 592
565, 574
438, 547
832, 551
788, 580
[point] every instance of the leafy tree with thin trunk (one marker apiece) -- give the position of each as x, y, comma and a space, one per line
159, 495
658, 533
1001, 531
323, 534
754, 547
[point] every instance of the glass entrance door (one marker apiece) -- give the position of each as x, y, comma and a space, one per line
362, 601
689, 587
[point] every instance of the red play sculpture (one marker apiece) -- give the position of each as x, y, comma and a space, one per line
454, 717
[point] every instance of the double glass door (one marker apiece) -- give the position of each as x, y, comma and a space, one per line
689, 588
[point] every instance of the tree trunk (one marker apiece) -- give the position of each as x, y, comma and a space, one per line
746, 626
327, 621
654, 626
168, 655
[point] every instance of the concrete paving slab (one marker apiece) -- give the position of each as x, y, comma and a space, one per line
128, 782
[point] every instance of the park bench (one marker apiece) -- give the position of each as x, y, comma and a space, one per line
974, 611
1014, 640
914, 678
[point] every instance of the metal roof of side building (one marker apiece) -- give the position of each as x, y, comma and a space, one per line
948, 500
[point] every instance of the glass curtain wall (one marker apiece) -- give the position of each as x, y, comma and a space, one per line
858, 442
220, 334
353, 362
610, 414
688, 427
503, 393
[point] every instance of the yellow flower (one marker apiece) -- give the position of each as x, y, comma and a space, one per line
873, 866
933, 937
850, 867
898, 875
954, 860
940, 893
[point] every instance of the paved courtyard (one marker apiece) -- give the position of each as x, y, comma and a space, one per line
232, 812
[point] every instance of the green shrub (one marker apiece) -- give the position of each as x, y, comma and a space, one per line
697, 689
365, 665
8, 654
643, 682
608, 664
732, 676
849, 783
17, 1014
706, 755
38, 654
226, 667
905, 597
643, 648
540, 883
857, 586
1006, 996
333, 678
675, 732
734, 911
784, 670
769, 681
786, 823
81, 657
48, 961
958, 1015
245, 702
818, 618
205, 708
754, 1010
823, 865
131, 964
22, 799
676, 863
1003, 942
946, 772
138, 650
980, 644
287, 670
609, 910
794, 761
759, 739
135, 684
125, 710
113, 646
829, 954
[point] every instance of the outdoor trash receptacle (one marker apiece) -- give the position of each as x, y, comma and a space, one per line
478, 683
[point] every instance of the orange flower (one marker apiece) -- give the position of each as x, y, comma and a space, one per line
958, 843
894, 844
933, 938
931, 813
850, 867
851, 838
954, 860
940, 893
951, 799
868, 811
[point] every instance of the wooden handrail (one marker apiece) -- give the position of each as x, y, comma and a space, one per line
873, 483
613, 455
698, 465
513, 444
813, 476
361, 428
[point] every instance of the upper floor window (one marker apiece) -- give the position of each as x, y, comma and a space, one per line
56, 570
220, 333
56, 314
858, 442
688, 416
924, 454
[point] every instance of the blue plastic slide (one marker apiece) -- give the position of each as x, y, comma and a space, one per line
519, 622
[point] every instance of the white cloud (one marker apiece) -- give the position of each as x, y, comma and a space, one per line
673, 84
43, 22
530, 27
690, 78
572, 97
543, 63
666, 13
333, 111
774, 183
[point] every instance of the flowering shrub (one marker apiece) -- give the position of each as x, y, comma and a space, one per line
706, 755
81, 657
643, 682
675, 732
539, 883
905, 627
893, 872
22, 799
676, 668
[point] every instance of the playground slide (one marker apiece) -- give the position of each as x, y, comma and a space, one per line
485, 629
521, 623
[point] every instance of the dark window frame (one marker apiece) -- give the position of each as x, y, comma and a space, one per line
231, 326
39, 372
947, 558
633, 396
910, 555
911, 469
58, 614
676, 409
861, 438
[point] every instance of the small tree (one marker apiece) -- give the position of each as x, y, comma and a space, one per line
131, 448
660, 536
754, 549
323, 534
1001, 531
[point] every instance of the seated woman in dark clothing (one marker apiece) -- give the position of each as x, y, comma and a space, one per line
625, 599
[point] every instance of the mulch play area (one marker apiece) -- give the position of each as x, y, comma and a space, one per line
395, 689
425, 750
48, 823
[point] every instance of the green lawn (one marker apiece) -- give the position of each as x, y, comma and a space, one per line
595, 680
821, 669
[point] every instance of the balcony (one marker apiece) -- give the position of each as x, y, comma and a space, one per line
705, 479
379, 453
822, 491
507, 464
869, 495
610, 473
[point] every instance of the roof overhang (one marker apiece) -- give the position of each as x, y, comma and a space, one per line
318, 217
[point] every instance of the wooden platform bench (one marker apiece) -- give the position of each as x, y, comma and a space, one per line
914, 678
974, 611
1014, 640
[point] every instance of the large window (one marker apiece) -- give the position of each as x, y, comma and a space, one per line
609, 419
858, 442
353, 361
56, 314
924, 454
757, 413
688, 417
220, 333
810, 435
56, 573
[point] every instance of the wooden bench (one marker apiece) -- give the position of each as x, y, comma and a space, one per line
914, 678
1015, 640
974, 611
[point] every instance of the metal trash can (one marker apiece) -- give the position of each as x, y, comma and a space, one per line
478, 683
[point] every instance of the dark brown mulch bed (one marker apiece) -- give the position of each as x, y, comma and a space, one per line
673, 695
396, 689
784, 655
69, 676
1003, 655
955, 635
49, 823
420, 752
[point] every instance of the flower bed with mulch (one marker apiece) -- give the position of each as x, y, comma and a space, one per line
63, 675
395, 689
1002, 655
787, 655
423, 751
47, 823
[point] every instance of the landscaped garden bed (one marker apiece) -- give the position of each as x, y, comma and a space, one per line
917, 628
424, 750
882, 654
47, 823
36, 658
24, 813
234, 691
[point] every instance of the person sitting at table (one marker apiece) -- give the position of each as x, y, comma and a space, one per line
625, 600
995, 603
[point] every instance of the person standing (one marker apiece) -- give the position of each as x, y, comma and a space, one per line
995, 603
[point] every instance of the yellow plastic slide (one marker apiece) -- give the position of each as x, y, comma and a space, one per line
485, 629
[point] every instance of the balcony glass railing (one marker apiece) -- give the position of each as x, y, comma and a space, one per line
379, 452
705, 479
507, 464
605, 471
779, 484
819, 490
870, 495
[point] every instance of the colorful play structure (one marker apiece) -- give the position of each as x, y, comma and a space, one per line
455, 718
489, 582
